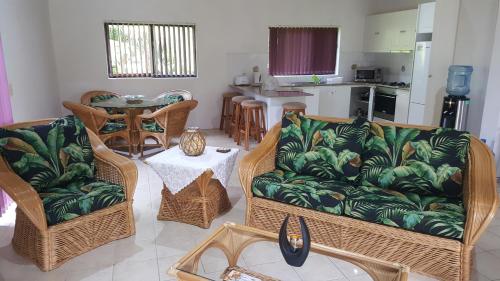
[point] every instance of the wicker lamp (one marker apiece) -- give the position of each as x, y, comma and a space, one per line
192, 142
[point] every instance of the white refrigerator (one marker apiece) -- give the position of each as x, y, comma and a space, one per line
419, 83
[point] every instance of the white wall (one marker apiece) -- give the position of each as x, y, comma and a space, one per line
490, 126
29, 58
230, 34
473, 46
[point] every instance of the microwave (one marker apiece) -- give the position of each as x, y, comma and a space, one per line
368, 74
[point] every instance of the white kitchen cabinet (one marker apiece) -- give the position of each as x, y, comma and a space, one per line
335, 101
390, 32
402, 104
426, 17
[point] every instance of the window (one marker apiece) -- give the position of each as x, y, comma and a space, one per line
302, 50
150, 50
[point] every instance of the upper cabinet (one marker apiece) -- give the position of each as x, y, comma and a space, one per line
390, 32
426, 17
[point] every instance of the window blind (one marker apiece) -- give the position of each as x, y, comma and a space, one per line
150, 50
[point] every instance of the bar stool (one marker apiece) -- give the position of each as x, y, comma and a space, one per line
255, 121
297, 107
226, 115
236, 119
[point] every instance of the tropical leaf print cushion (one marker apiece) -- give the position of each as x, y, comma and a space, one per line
321, 149
102, 98
80, 197
434, 215
49, 155
303, 191
171, 99
418, 161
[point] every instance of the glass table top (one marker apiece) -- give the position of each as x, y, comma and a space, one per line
122, 103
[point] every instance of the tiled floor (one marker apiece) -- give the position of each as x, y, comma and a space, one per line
158, 244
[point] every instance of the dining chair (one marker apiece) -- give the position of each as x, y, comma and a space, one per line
106, 126
96, 96
50, 228
164, 124
186, 95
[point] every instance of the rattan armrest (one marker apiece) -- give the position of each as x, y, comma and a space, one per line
260, 160
26, 198
113, 167
481, 198
117, 116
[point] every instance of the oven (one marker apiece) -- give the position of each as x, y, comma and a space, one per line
384, 106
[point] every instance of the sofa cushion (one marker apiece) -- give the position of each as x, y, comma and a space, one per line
171, 99
304, 191
49, 155
102, 98
418, 161
113, 127
321, 149
434, 215
80, 197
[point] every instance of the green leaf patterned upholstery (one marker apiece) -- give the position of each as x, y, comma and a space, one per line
113, 126
57, 160
321, 149
304, 191
101, 98
152, 127
171, 99
63, 203
434, 215
412, 160
400, 177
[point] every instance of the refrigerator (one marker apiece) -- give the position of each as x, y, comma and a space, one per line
419, 82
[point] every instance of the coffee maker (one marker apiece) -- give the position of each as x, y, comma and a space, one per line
456, 104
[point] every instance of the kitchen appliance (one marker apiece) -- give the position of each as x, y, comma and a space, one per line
454, 113
368, 74
384, 107
241, 80
420, 79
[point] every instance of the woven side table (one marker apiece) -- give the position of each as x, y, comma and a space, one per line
197, 204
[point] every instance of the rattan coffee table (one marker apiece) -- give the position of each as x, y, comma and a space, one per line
232, 239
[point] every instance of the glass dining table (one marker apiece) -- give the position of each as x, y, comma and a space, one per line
132, 109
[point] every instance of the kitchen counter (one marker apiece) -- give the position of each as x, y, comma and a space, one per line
282, 92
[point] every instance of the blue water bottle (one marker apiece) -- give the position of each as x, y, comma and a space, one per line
459, 80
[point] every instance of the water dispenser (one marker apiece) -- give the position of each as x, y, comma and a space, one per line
456, 104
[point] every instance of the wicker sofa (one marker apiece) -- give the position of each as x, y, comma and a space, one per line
443, 253
105, 210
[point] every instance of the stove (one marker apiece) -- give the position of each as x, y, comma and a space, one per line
396, 84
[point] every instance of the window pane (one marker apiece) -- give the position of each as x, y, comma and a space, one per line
150, 50
302, 50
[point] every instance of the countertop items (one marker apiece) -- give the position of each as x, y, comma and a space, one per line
284, 92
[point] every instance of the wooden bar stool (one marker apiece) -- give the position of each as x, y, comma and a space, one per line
297, 107
255, 121
226, 115
236, 118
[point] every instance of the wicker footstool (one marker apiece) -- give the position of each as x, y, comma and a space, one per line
197, 204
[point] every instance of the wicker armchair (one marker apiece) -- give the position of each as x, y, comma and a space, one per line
164, 123
185, 94
90, 97
445, 259
51, 246
106, 126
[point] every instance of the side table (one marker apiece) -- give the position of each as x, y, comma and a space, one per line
193, 187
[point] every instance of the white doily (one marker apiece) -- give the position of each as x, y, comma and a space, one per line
178, 170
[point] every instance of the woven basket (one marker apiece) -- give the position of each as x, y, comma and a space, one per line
192, 142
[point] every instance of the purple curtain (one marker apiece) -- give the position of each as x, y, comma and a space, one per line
5, 117
302, 51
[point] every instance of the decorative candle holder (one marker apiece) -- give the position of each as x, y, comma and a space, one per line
192, 142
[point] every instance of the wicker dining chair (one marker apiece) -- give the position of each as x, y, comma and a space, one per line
51, 246
184, 93
164, 124
95, 96
106, 126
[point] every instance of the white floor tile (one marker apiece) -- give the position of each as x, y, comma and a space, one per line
136, 270
319, 268
347, 268
103, 274
488, 265
279, 270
